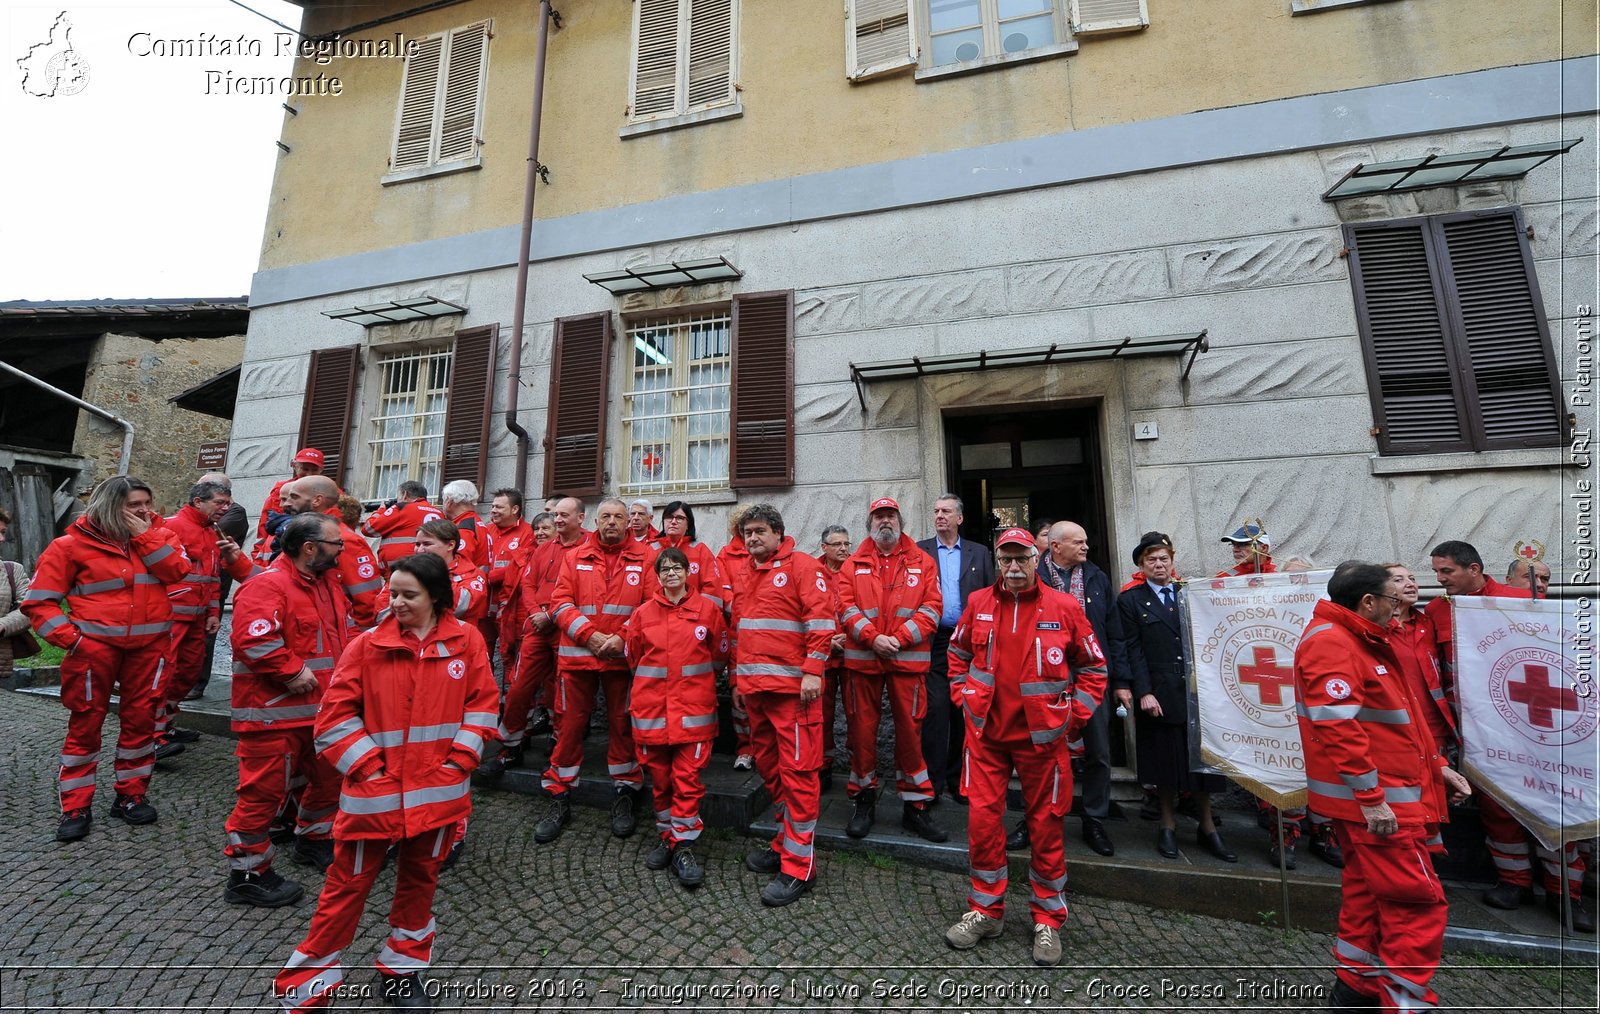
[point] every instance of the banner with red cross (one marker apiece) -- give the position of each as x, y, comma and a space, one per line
1525, 684
1242, 635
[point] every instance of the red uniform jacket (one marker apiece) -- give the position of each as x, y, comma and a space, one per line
198, 596
397, 710
1026, 664
835, 579
705, 573
1247, 567
1418, 652
114, 593
783, 621
897, 595
599, 588
358, 573
261, 552
473, 544
508, 550
283, 622
1362, 733
734, 562
395, 528
471, 592
1444, 626
537, 585
675, 651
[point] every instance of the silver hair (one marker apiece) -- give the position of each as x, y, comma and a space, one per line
834, 530
612, 499
459, 491
961, 508
640, 502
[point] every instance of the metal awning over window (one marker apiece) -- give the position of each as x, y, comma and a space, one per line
397, 311
663, 276
1507, 162
1039, 355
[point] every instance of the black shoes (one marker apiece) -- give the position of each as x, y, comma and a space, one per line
134, 809
196, 694
763, 861
1325, 847
783, 889
1346, 999
660, 857
1288, 855
75, 824
920, 824
861, 821
453, 856
1212, 842
183, 736
1582, 921
313, 852
686, 867
263, 890
493, 769
541, 723
1094, 836
557, 817
1017, 840
623, 822
405, 992
1508, 896
168, 748
1167, 842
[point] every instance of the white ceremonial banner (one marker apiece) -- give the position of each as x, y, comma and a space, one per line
1526, 689
1243, 632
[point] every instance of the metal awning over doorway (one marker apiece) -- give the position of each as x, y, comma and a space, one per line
1190, 345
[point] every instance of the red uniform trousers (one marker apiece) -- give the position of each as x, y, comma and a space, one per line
272, 765
575, 693
529, 681
834, 681
786, 738
186, 656
1392, 915
1512, 848
676, 786
863, 707
1046, 776
489, 627
313, 972
88, 672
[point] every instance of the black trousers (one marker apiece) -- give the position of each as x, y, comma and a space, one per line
943, 731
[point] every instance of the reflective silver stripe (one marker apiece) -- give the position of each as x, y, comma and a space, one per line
488, 718
572, 628
699, 669
143, 751
904, 612
1042, 688
1319, 628
191, 579
70, 760
914, 657
137, 772
102, 629
796, 849
1047, 735
1049, 883
1391, 793
651, 672
469, 740
369, 804
1050, 902
981, 677
803, 826
463, 600
190, 610
363, 587
388, 737
870, 614
914, 635
858, 627
699, 721
563, 607
397, 542
587, 610
812, 626
43, 595
52, 623
928, 611
961, 653
319, 664
335, 733
158, 555
1327, 712
856, 654
850, 613
984, 898
568, 651
622, 769
649, 724
140, 629
432, 733
1365, 780
76, 783
354, 754
1436, 694
257, 652
94, 587
274, 714
611, 609
1086, 699
787, 626
995, 876
1381, 716
767, 669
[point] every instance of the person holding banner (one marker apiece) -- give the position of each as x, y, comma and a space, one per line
1411, 633
1152, 626
1372, 767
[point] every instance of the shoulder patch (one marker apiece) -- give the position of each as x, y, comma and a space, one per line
1337, 689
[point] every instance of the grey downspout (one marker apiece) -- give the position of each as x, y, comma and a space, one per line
127, 427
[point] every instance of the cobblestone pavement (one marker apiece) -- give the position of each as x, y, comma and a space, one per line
133, 919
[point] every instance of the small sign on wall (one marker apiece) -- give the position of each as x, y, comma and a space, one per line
1145, 430
213, 456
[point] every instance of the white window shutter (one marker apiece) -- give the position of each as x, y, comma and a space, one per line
413, 135
1089, 16
655, 58
710, 53
466, 63
878, 38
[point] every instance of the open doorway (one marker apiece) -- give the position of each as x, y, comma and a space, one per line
1024, 467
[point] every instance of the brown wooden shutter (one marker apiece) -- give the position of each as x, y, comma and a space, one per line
1457, 351
762, 412
466, 418
330, 394
1504, 334
575, 429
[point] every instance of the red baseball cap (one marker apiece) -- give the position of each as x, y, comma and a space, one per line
1015, 537
309, 456
884, 503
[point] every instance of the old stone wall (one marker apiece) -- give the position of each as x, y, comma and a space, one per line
133, 377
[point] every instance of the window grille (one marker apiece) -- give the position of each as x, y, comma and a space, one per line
408, 428
675, 407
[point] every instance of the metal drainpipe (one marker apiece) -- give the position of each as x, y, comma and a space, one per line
127, 427
519, 311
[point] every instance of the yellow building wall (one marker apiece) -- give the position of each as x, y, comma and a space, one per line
802, 116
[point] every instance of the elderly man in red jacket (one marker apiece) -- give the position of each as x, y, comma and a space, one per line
291, 623
784, 625
1027, 674
602, 581
889, 590
1372, 767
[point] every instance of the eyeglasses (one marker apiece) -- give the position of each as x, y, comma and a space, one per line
670, 568
1397, 600
835, 545
328, 542
1007, 562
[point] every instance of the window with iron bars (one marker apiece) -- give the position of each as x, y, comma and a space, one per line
675, 406
408, 428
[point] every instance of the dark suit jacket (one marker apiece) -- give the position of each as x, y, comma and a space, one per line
1154, 648
1100, 605
977, 564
